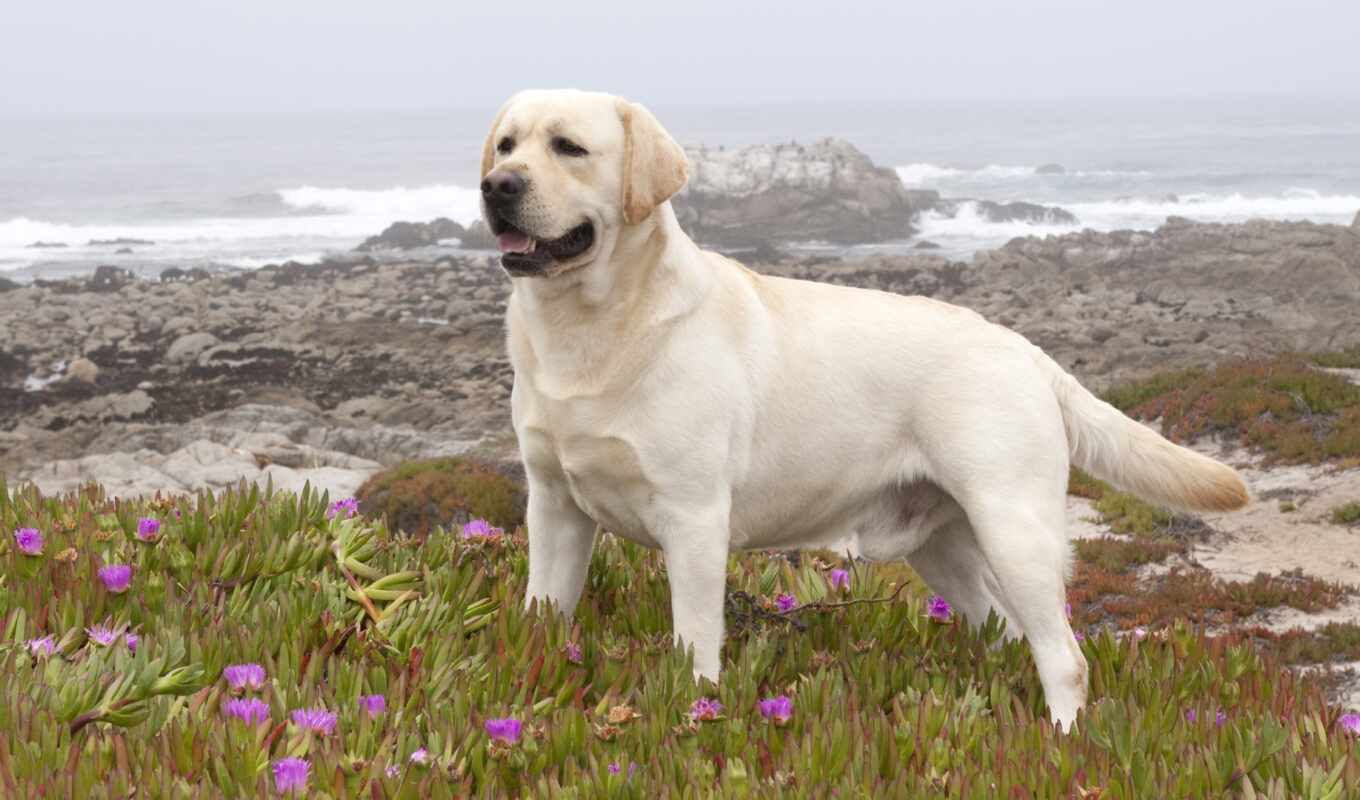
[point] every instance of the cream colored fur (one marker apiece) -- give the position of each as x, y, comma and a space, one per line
679, 400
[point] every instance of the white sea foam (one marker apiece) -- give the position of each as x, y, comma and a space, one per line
968, 230
326, 220
925, 175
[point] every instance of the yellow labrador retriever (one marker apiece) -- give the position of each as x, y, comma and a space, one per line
682, 401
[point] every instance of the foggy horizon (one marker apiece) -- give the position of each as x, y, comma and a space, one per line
251, 58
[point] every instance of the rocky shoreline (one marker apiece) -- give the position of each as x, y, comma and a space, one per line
325, 372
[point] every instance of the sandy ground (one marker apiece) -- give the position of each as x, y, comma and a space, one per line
1267, 537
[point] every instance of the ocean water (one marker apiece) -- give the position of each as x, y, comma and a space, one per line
246, 190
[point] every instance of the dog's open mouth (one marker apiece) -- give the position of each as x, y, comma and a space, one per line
521, 254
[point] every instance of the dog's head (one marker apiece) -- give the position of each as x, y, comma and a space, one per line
564, 172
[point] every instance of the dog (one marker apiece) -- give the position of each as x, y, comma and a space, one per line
673, 397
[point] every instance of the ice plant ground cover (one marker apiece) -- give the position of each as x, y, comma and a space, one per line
883, 699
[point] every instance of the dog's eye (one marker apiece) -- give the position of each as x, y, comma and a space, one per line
568, 148
506, 145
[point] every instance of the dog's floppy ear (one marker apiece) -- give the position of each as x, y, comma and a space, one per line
489, 146
654, 166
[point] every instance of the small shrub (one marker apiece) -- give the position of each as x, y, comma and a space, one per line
1284, 405
418, 496
1349, 514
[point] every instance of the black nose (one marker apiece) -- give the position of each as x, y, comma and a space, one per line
500, 188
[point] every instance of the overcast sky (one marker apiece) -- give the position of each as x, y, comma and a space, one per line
300, 55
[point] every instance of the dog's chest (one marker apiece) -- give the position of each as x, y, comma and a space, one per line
599, 464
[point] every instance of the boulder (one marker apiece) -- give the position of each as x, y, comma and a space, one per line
991, 211
188, 347
410, 235
1050, 169
120, 241
825, 191
46, 245
109, 279
478, 237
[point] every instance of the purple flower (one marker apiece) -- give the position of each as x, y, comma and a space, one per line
1081, 637
29, 541
776, 709
840, 579
250, 710
705, 709
102, 635
505, 731
1220, 717
1067, 609
614, 768
148, 529
393, 770
244, 676
374, 704
116, 577
290, 774
343, 508
44, 646
420, 756
785, 602
1350, 723
1191, 715
480, 529
574, 652
1139, 633
938, 608
316, 720
132, 640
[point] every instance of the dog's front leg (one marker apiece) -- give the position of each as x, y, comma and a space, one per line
561, 537
696, 566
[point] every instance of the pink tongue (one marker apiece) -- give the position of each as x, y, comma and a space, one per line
513, 242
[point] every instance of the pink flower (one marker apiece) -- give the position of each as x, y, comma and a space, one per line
776, 709
29, 541
1350, 723
374, 704
148, 529
102, 635
480, 529
244, 676
116, 577
132, 640
44, 647
785, 602
573, 652
504, 731
343, 508
290, 775
316, 720
420, 756
938, 609
705, 709
840, 579
250, 710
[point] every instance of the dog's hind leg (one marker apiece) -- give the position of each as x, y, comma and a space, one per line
1026, 547
953, 566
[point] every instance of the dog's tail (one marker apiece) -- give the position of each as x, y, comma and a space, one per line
1116, 449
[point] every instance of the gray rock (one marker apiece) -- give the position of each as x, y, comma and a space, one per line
1050, 169
188, 347
410, 235
826, 191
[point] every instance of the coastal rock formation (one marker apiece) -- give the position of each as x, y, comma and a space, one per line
1018, 211
353, 363
410, 235
824, 191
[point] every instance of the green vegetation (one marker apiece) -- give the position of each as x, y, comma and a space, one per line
1284, 405
886, 702
1347, 514
418, 496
